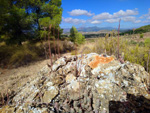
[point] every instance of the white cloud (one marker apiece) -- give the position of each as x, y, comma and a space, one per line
102, 16
112, 20
122, 13
125, 19
96, 22
147, 16
79, 12
137, 21
118, 14
74, 21
129, 19
146, 21
141, 17
126, 16
144, 16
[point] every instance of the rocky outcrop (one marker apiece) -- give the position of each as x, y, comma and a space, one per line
89, 83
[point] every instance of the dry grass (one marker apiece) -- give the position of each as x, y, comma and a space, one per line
15, 56
131, 49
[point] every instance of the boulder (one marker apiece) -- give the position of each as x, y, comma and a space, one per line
90, 83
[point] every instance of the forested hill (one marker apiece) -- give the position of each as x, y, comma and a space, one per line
142, 29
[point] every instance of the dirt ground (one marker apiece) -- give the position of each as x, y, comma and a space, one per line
15, 78
12, 79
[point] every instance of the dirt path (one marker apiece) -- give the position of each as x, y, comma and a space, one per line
15, 78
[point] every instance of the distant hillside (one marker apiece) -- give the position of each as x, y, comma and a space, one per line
93, 29
142, 29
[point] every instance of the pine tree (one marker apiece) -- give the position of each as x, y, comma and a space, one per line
75, 36
23, 20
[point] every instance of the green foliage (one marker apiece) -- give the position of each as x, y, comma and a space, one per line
147, 42
106, 36
75, 36
45, 22
22, 20
143, 29
95, 35
17, 22
140, 30
141, 35
79, 38
141, 44
132, 42
73, 32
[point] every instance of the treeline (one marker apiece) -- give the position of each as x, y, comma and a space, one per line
22, 20
95, 35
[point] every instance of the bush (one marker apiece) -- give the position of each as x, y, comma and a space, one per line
132, 42
79, 38
141, 44
75, 36
147, 42
141, 35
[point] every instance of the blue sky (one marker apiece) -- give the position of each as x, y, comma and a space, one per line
105, 13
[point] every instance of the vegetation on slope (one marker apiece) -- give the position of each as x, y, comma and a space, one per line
15, 56
140, 30
131, 50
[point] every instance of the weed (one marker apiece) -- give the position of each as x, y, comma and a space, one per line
134, 53
58, 44
50, 54
118, 37
141, 35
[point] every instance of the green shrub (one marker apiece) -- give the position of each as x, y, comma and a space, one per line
147, 42
132, 42
75, 36
141, 35
79, 38
141, 43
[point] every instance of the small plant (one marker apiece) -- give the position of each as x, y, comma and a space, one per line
141, 35
141, 43
132, 42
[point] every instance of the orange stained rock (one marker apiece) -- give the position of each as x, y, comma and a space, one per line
100, 60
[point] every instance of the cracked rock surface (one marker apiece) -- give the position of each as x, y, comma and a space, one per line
89, 83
